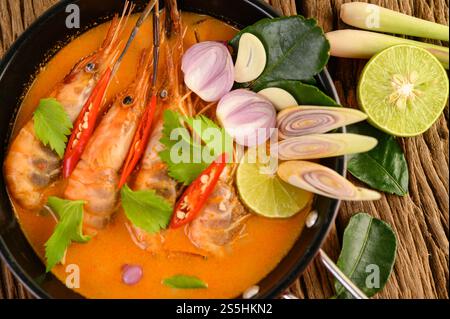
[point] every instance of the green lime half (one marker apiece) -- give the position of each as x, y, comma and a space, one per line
266, 194
403, 90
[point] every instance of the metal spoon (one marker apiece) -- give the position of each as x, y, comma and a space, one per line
339, 275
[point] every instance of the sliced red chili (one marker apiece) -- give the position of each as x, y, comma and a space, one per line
84, 125
194, 198
140, 141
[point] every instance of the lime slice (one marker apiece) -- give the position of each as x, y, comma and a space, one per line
403, 90
266, 194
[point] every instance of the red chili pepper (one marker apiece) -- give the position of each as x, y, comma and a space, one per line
84, 125
140, 141
196, 195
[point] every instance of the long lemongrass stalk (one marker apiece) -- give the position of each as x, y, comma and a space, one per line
364, 44
375, 18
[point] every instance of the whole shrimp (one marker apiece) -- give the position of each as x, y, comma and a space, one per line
223, 218
221, 221
153, 173
31, 167
95, 179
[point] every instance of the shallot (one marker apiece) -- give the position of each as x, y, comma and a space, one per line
247, 117
131, 274
208, 70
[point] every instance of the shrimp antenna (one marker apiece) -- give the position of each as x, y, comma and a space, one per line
127, 10
133, 34
156, 44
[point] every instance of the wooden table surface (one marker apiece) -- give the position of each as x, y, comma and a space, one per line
420, 220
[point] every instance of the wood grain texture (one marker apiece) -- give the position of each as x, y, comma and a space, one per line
420, 220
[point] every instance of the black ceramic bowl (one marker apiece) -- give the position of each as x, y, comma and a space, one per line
35, 47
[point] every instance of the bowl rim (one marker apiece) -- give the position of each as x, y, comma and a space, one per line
326, 80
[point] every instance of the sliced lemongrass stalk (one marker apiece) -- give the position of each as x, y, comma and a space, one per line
375, 18
303, 120
280, 98
251, 59
321, 180
323, 146
365, 44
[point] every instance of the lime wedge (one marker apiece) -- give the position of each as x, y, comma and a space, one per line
403, 90
266, 194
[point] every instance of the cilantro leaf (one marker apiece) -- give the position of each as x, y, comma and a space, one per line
52, 125
146, 210
186, 170
216, 139
68, 229
194, 158
184, 173
184, 282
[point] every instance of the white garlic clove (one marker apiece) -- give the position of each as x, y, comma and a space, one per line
280, 98
251, 59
